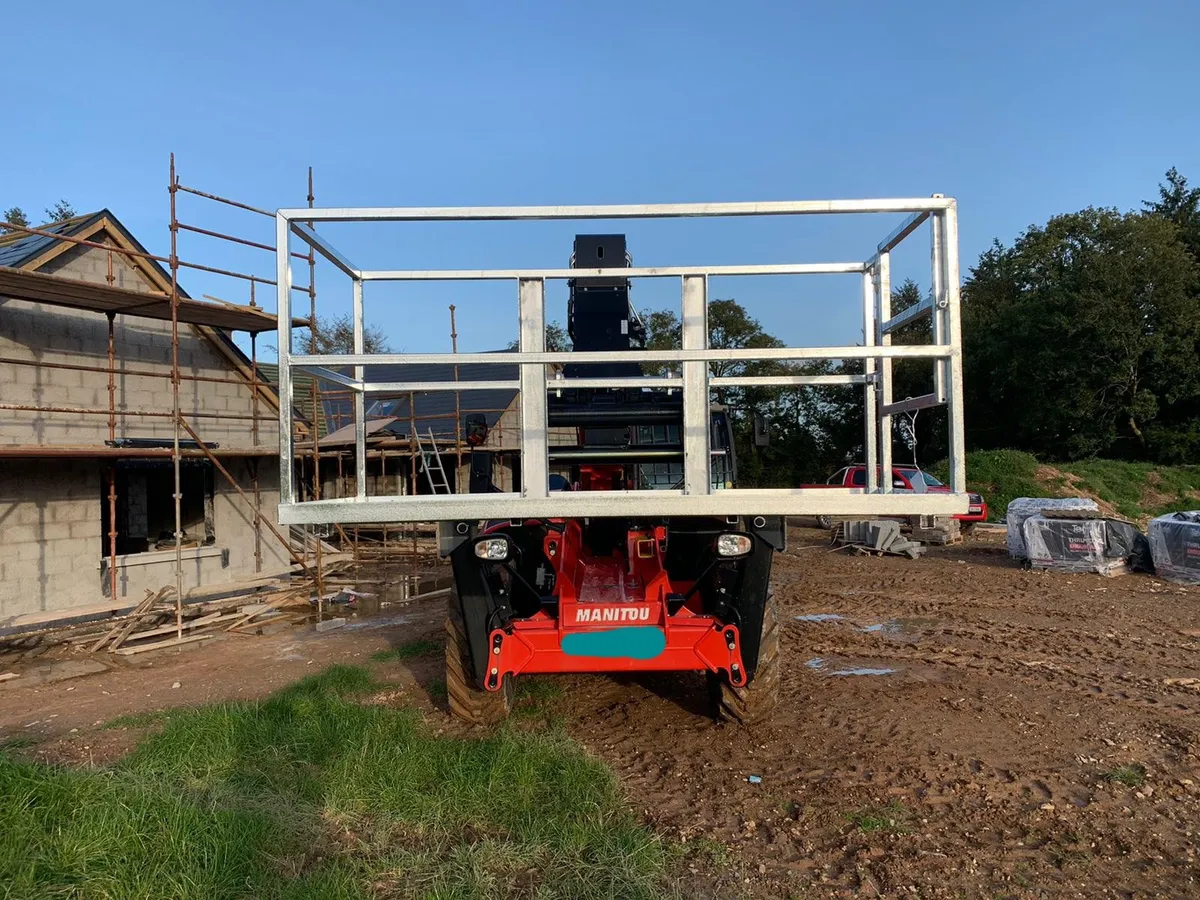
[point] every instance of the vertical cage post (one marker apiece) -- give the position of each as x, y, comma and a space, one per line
535, 467
283, 297
937, 269
360, 412
958, 462
696, 414
871, 435
883, 312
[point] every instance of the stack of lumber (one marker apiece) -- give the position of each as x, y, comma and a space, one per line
156, 623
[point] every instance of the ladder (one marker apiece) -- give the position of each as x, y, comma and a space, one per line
435, 474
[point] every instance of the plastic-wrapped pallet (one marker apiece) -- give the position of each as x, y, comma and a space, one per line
1103, 546
1175, 546
1022, 508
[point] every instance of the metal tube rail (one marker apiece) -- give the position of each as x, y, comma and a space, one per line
140, 373
622, 211
183, 226
922, 351
569, 504
835, 268
912, 314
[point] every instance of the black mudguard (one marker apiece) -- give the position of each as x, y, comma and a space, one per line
476, 603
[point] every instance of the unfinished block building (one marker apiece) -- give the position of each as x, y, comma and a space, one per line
87, 428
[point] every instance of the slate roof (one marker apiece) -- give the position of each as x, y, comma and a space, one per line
17, 248
434, 409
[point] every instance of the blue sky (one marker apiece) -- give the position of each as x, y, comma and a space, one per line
1021, 110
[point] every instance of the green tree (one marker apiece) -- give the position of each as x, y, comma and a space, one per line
1180, 205
797, 416
557, 340
60, 212
1080, 339
337, 336
15, 216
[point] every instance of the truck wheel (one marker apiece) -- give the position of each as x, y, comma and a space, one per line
756, 701
468, 701
825, 522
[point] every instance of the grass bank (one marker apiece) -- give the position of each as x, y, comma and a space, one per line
315, 792
1138, 491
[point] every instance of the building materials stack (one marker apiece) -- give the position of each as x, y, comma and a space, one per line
1175, 546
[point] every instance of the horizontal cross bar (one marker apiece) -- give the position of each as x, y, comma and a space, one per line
922, 351
409, 387
632, 211
912, 314
834, 268
911, 404
650, 383
785, 380
572, 504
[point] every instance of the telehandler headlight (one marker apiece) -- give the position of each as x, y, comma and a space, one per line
494, 549
734, 546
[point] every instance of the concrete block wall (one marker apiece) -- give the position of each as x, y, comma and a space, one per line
50, 541
52, 547
47, 334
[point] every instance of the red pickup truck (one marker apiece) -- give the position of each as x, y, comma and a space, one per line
906, 479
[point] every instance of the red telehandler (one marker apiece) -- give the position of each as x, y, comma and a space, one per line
634, 594
624, 543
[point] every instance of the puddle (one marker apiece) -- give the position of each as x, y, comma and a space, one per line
909, 630
819, 617
819, 664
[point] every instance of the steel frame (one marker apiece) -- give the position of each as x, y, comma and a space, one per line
693, 360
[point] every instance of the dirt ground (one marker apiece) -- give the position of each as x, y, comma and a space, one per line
949, 727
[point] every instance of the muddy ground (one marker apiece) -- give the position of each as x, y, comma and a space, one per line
950, 727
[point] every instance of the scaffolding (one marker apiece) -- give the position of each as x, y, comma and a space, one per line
306, 548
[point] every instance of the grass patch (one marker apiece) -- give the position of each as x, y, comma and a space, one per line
17, 742
437, 689
410, 650
1136, 490
890, 819
1132, 775
538, 689
1000, 476
312, 794
140, 719
1140, 489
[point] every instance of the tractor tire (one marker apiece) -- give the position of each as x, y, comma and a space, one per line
756, 701
468, 701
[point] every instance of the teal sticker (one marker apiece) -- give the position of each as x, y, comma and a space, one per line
637, 642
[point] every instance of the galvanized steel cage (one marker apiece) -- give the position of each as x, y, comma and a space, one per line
695, 381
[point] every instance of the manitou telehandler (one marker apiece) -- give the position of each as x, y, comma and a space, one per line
620, 540
636, 593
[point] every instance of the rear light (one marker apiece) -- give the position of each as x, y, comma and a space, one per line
732, 546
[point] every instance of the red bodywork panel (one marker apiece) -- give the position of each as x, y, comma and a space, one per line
604, 594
